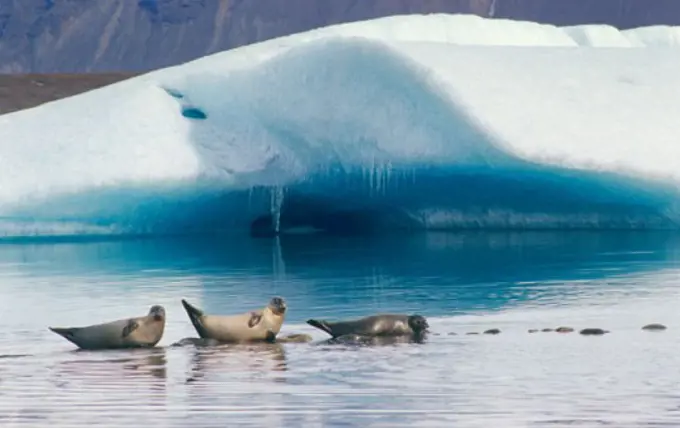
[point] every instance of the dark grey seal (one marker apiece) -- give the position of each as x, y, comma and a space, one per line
375, 325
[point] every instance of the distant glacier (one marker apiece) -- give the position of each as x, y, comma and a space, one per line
400, 123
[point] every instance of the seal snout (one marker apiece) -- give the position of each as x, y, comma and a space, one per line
278, 304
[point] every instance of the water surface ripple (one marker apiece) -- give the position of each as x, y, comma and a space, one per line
461, 282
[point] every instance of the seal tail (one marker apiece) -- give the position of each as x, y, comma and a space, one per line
321, 325
195, 315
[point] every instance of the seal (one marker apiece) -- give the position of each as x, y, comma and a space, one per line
261, 325
140, 332
375, 325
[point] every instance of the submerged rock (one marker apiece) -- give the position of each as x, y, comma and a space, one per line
533, 330
593, 331
472, 332
654, 327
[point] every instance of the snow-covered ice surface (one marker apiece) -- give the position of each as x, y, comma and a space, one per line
430, 121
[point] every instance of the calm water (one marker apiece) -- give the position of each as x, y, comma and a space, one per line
463, 283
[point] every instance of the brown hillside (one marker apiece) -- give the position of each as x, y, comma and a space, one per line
22, 91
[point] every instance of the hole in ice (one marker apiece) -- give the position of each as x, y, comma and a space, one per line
174, 93
193, 113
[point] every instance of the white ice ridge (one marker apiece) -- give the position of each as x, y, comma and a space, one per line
383, 97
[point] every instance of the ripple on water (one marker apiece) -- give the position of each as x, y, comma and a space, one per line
513, 379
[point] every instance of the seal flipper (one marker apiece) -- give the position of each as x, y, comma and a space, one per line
195, 315
255, 318
67, 333
131, 326
321, 325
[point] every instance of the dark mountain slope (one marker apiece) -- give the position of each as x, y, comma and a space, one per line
62, 36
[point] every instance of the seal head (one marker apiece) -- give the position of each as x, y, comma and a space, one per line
418, 324
278, 305
157, 312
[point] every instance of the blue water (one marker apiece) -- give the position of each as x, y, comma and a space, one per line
463, 282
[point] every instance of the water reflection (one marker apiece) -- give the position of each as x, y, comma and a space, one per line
357, 340
434, 273
113, 366
245, 359
461, 282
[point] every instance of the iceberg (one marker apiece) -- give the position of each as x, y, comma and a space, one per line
400, 123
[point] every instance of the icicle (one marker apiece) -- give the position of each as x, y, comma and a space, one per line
278, 264
275, 207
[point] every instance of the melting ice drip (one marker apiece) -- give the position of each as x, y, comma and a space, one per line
277, 194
